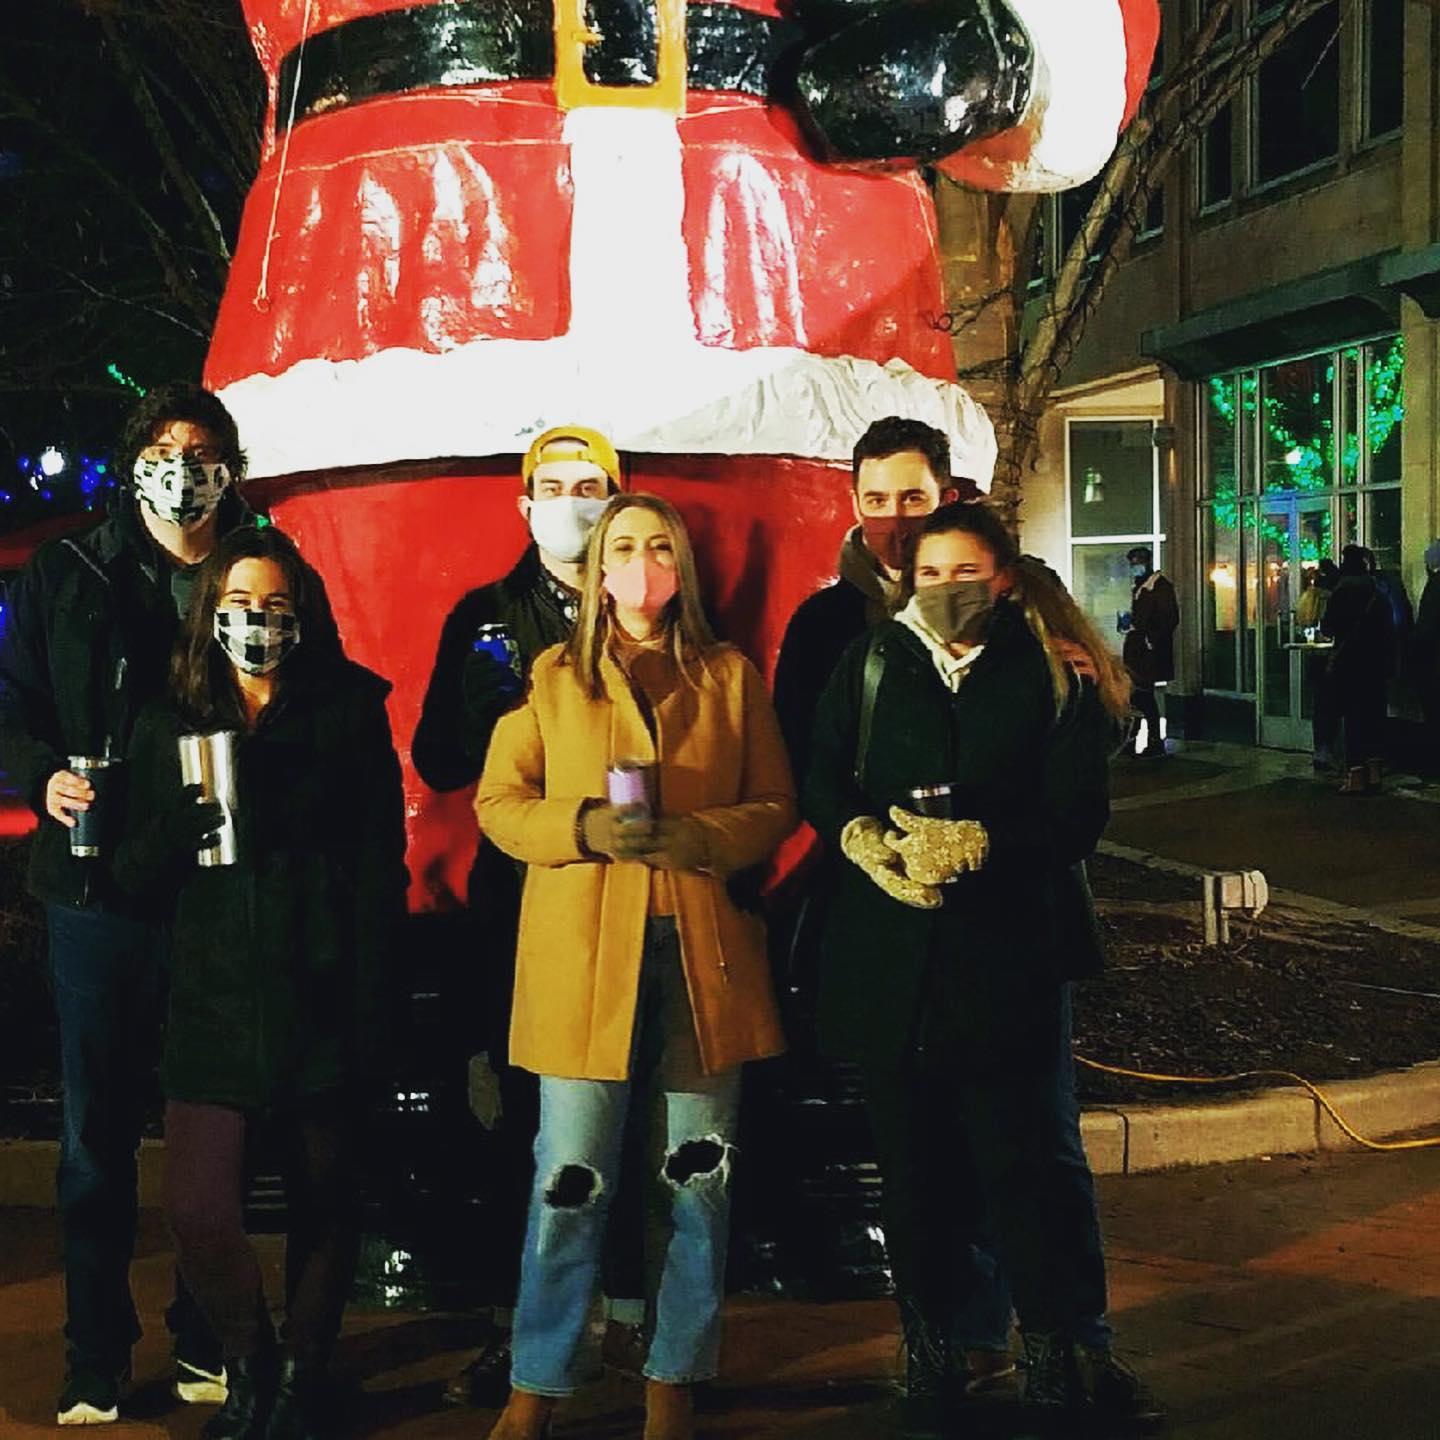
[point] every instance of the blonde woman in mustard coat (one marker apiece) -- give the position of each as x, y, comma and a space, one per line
634, 963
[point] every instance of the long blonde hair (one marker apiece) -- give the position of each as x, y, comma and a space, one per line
1068, 635
687, 629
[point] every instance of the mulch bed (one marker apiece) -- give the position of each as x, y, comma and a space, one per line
1289, 992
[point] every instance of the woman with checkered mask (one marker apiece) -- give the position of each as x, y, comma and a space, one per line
278, 961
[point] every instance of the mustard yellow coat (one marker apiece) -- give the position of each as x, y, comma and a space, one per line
582, 921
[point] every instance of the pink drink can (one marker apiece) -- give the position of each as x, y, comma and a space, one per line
630, 785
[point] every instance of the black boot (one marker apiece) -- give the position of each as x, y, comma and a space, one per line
250, 1388
927, 1376
1052, 1383
1114, 1393
303, 1402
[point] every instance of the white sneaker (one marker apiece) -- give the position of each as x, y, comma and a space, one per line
197, 1386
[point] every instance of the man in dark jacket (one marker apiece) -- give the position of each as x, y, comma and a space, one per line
900, 472
1359, 620
1149, 651
569, 473
87, 643
1424, 661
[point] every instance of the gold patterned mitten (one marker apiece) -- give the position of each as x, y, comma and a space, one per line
935, 852
862, 842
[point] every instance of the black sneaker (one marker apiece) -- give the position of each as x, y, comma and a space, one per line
1114, 1392
485, 1382
91, 1396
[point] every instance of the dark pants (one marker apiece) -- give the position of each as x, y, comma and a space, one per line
1361, 699
205, 1148
1142, 697
962, 1156
105, 972
1325, 718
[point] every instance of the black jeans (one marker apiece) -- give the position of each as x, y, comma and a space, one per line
962, 1156
105, 972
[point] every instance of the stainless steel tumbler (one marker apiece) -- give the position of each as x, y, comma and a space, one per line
209, 762
94, 827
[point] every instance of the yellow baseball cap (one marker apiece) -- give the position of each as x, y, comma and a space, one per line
572, 442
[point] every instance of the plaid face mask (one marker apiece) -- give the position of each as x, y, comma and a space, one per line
256, 640
180, 490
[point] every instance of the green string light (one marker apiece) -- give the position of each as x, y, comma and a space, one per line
121, 378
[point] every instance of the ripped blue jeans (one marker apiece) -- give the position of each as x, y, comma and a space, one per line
577, 1158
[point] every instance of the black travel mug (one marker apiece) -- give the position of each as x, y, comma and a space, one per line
92, 828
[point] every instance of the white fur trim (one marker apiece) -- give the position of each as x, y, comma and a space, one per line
1078, 95
492, 397
630, 364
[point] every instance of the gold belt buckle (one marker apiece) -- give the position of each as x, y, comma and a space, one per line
573, 88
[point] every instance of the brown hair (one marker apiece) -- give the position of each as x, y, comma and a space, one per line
1064, 629
684, 619
202, 680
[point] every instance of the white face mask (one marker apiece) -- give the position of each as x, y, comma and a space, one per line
256, 640
562, 524
179, 490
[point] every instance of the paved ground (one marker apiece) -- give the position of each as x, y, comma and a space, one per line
1236, 807
1288, 1300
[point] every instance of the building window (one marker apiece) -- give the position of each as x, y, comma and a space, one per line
1217, 160
1215, 154
1297, 460
1384, 61
1297, 97
1114, 502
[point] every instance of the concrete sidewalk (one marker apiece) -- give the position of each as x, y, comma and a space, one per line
1294, 1300
1231, 807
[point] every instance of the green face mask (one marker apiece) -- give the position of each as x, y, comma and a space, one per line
958, 611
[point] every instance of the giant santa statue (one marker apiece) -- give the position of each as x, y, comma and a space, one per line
701, 229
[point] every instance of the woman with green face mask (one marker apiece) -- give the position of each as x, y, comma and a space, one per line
959, 774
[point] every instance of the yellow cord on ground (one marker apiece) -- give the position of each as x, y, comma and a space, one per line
1323, 1100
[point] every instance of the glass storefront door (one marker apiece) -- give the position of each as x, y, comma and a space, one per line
1295, 531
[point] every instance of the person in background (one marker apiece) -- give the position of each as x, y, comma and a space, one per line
1309, 619
1358, 620
951, 937
634, 963
1424, 661
568, 474
87, 639
279, 963
1149, 648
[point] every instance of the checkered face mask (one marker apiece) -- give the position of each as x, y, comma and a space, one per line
179, 489
256, 640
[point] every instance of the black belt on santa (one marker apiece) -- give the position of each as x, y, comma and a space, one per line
477, 42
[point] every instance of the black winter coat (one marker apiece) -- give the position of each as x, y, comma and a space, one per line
1358, 619
86, 643
449, 749
1149, 648
974, 985
279, 964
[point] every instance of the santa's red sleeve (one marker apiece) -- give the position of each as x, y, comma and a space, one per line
1092, 64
